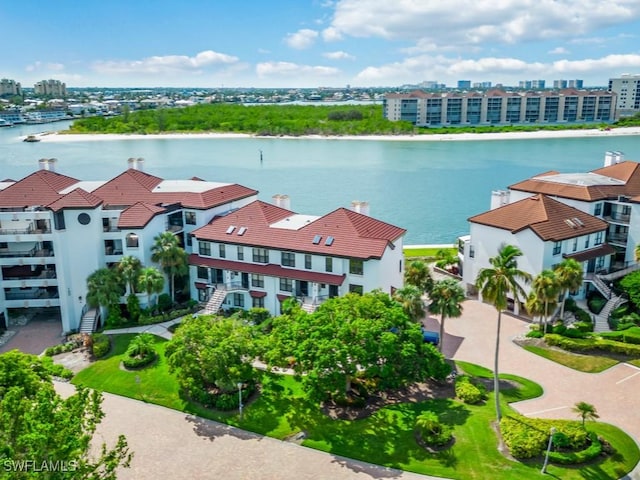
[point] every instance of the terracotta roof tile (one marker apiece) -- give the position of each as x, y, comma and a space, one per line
354, 235
138, 215
599, 251
549, 219
40, 188
77, 198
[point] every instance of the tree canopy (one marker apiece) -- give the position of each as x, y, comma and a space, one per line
364, 341
45, 436
167, 252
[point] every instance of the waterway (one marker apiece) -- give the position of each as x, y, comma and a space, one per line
429, 188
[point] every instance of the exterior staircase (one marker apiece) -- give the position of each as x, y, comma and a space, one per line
601, 321
309, 307
89, 321
215, 302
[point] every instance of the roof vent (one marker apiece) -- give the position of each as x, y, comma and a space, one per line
47, 164
578, 222
570, 223
316, 239
242, 231
230, 229
136, 163
329, 241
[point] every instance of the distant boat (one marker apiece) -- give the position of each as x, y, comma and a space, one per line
31, 139
5, 123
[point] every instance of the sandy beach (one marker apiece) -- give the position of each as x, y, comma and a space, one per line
57, 137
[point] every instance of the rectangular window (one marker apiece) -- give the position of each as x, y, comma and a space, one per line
132, 240
203, 272
238, 300
288, 259
557, 248
240, 253
598, 210
258, 302
600, 262
575, 244
598, 238
190, 218
307, 262
356, 266
204, 248
355, 288
222, 250
257, 280
586, 242
328, 264
472, 251
286, 285
261, 255
58, 220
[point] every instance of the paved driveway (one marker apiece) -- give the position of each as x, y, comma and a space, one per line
34, 337
613, 392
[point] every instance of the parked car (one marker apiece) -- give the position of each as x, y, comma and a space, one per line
430, 337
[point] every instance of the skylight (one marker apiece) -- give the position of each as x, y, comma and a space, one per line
329, 241
316, 239
241, 231
231, 229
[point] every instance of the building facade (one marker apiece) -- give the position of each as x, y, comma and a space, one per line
52, 88
627, 90
499, 107
10, 88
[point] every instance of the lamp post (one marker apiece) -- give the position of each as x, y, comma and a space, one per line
240, 398
546, 457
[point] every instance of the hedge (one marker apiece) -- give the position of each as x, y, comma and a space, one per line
101, 345
469, 392
582, 345
145, 320
139, 362
630, 335
61, 348
582, 456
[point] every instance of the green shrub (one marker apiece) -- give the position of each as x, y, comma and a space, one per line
596, 304
570, 305
590, 344
257, 315
535, 334
559, 329
431, 431
469, 392
133, 307
164, 302
575, 333
582, 316
528, 437
101, 345
630, 335
573, 458
620, 311
584, 326
139, 362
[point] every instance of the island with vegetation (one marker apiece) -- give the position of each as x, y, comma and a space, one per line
290, 120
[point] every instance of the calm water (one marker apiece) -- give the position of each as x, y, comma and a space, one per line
429, 188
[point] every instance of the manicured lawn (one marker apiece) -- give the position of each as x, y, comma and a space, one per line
385, 438
635, 362
583, 363
425, 252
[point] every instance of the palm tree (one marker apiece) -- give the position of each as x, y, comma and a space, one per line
129, 267
446, 299
152, 281
445, 257
418, 275
495, 284
546, 288
167, 252
410, 297
570, 276
104, 287
586, 411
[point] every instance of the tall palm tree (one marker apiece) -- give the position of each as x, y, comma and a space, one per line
495, 284
546, 288
104, 287
151, 281
570, 276
167, 252
586, 411
446, 299
418, 275
129, 267
410, 297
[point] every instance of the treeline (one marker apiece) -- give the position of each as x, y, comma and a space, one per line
267, 120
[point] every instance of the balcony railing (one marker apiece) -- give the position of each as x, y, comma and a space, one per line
24, 231
33, 294
619, 239
43, 275
617, 218
33, 252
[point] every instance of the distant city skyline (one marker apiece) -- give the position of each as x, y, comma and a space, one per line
318, 43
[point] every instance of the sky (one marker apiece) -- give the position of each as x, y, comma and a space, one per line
316, 43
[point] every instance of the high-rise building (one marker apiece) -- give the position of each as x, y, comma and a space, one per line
9, 88
627, 89
464, 84
53, 88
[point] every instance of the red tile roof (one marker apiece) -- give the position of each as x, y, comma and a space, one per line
599, 251
138, 215
40, 188
269, 269
354, 235
549, 219
77, 198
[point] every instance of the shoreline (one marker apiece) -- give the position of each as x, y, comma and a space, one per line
437, 137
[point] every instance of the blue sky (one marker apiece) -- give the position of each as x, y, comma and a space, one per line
316, 43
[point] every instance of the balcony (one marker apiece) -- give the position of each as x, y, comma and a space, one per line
617, 239
26, 272
32, 252
31, 294
615, 217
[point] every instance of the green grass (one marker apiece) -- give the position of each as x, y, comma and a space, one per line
582, 363
385, 438
425, 252
634, 362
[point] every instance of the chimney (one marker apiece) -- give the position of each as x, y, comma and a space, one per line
136, 163
282, 201
47, 164
608, 159
618, 157
499, 198
360, 207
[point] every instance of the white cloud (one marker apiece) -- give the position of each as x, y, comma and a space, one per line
44, 67
471, 22
558, 51
331, 34
302, 39
288, 69
165, 64
339, 55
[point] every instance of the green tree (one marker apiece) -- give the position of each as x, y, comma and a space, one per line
141, 345
207, 351
546, 288
410, 297
417, 274
151, 281
586, 411
569, 275
133, 307
495, 284
167, 252
104, 288
366, 339
445, 258
446, 299
38, 425
129, 268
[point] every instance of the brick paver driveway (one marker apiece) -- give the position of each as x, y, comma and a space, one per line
34, 337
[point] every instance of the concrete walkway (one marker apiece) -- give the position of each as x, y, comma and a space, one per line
159, 329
